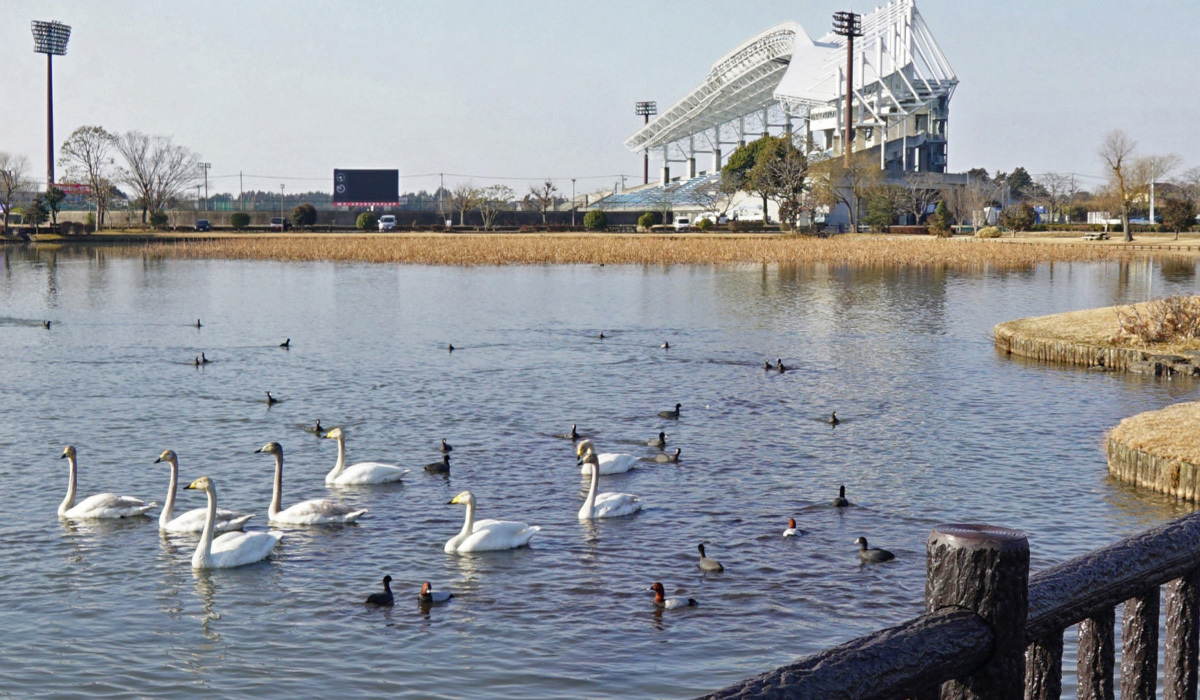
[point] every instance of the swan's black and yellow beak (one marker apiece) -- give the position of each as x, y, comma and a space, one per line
258, 450
451, 502
579, 462
63, 456
158, 460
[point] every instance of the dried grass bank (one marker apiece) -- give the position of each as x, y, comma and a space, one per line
1096, 338
1159, 450
539, 249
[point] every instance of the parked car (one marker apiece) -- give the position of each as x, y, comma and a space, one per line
203, 225
278, 223
682, 223
717, 219
387, 222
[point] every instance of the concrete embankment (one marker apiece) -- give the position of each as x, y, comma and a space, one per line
1085, 338
1159, 450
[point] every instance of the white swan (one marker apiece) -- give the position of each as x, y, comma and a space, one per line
318, 511
610, 462
193, 520
608, 504
487, 535
361, 473
233, 548
102, 505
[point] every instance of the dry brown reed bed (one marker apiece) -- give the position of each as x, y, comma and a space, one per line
1172, 432
536, 249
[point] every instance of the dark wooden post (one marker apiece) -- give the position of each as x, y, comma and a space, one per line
1095, 675
1183, 623
1043, 668
983, 569
1139, 647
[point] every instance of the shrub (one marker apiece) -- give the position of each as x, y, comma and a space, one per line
525, 228
988, 232
744, 226
704, 224
1018, 218
1163, 320
304, 215
1178, 215
595, 220
239, 220
158, 220
89, 222
645, 221
910, 230
367, 221
438, 228
939, 223
1039, 228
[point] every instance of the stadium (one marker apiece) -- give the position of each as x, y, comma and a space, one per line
781, 81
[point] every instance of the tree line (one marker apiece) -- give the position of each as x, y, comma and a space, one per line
154, 172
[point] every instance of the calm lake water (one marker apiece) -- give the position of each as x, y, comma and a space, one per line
938, 427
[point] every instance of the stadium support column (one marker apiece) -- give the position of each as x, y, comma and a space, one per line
666, 169
716, 163
691, 167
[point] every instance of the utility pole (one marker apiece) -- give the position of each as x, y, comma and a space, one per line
284, 221
241, 201
849, 25
205, 167
645, 109
572, 202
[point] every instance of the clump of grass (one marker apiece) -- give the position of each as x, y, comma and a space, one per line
1170, 319
1172, 432
538, 249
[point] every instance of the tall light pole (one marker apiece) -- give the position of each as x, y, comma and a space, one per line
645, 109
284, 220
51, 39
572, 202
205, 167
849, 25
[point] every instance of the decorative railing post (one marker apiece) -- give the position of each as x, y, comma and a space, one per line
1183, 624
985, 570
1139, 647
1096, 653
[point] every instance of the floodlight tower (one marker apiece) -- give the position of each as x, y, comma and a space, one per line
849, 25
205, 167
51, 39
645, 109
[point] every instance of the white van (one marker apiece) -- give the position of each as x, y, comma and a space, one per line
682, 223
387, 222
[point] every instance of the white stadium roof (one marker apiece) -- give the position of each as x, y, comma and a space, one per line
898, 69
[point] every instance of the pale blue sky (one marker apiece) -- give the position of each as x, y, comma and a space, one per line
546, 88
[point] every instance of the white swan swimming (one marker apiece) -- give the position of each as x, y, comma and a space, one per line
102, 505
193, 520
608, 504
609, 462
317, 511
361, 473
233, 548
487, 535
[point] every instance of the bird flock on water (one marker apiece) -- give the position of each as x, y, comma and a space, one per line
224, 543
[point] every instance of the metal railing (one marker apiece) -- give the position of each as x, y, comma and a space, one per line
992, 631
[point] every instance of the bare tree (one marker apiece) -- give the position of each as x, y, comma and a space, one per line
789, 185
976, 195
543, 197
12, 180
1056, 187
1189, 182
955, 197
493, 200
715, 197
85, 156
921, 189
465, 197
836, 183
1117, 153
156, 169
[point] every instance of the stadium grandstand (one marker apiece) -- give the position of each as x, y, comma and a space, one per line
783, 82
